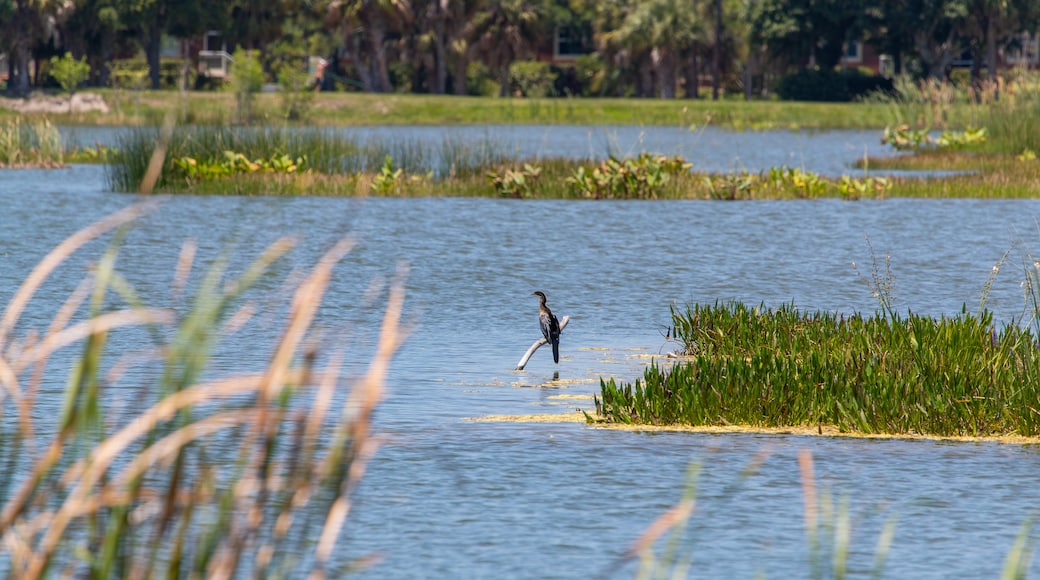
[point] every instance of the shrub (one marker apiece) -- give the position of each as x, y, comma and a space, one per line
815, 84
531, 78
247, 79
480, 81
387, 180
132, 73
515, 182
69, 72
296, 88
639, 178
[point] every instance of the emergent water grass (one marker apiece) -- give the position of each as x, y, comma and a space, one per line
776, 367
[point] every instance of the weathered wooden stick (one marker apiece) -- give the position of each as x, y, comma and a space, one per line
527, 355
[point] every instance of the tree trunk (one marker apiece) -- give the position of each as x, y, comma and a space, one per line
376, 33
716, 55
991, 56
693, 73
666, 74
360, 64
440, 59
19, 84
935, 56
461, 66
645, 78
503, 80
749, 76
152, 53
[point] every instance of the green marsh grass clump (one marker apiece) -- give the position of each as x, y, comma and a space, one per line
159, 466
1007, 110
975, 174
327, 152
1013, 122
30, 144
871, 374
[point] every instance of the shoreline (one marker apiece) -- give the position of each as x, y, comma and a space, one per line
800, 431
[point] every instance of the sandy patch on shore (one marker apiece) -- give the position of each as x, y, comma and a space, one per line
806, 430
56, 104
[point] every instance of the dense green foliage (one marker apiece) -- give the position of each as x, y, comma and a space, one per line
829, 85
69, 72
645, 48
1013, 123
878, 374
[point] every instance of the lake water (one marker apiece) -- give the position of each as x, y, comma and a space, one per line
447, 497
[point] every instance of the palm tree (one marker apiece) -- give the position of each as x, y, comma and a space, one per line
992, 22
445, 26
506, 30
28, 22
676, 30
627, 38
656, 34
365, 25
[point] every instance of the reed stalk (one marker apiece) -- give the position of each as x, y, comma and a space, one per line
207, 475
30, 144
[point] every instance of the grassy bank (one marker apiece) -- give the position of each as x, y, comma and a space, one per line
150, 463
972, 174
358, 109
284, 162
217, 160
869, 374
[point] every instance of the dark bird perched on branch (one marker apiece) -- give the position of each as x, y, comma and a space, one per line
550, 326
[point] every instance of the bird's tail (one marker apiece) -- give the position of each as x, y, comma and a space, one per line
556, 351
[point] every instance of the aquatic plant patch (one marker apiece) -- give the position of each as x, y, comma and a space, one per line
514, 182
36, 143
641, 177
903, 138
225, 151
235, 164
871, 374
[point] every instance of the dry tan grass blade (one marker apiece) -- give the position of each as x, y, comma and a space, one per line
368, 394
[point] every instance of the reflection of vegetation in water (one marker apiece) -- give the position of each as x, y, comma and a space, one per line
663, 550
200, 474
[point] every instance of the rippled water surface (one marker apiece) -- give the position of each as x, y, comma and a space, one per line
446, 497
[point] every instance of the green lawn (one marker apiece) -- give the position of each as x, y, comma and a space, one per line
356, 109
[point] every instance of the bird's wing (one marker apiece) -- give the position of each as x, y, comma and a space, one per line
546, 320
